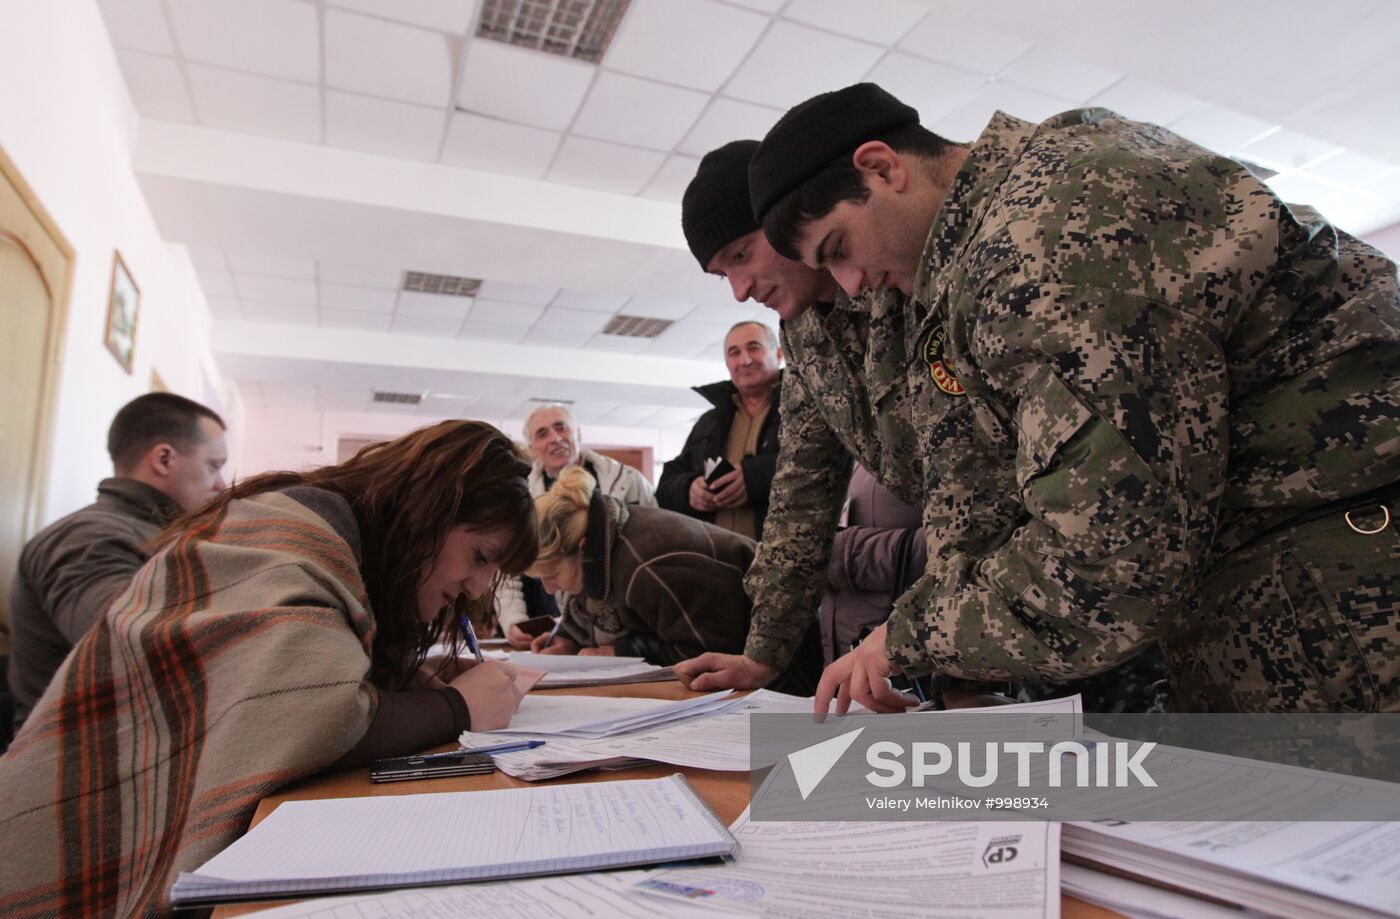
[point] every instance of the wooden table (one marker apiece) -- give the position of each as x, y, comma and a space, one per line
727, 793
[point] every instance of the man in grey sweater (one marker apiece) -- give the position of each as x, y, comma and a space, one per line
168, 454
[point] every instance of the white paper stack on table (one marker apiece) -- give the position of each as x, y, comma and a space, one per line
562, 671
348, 844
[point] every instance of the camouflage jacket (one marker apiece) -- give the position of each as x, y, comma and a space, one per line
846, 394
1163, 360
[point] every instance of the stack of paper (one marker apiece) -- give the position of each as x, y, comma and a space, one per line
562, 671
348, 844
594, 717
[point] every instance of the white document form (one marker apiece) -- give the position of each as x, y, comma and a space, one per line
579, 896
802, 870
595, 716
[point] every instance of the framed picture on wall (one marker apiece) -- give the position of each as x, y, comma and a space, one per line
122, 304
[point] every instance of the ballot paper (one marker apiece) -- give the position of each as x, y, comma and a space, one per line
806, 869
594, 717
599, 895
1137, 900
563, 671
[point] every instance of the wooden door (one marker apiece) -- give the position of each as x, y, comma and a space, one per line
36, 265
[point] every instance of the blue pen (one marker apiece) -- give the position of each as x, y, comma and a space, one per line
496, 748
549, 639
469, 633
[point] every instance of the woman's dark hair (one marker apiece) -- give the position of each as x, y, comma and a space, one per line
839, 181
406, 495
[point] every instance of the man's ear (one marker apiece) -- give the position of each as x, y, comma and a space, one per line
875, 161
160, 459
778, 353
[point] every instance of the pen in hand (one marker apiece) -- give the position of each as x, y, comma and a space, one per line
552, 632
469, 635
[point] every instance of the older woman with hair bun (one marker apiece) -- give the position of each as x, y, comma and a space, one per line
644, 582
279, 630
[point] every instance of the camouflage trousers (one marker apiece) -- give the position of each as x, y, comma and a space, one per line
1303, 620
1136, 685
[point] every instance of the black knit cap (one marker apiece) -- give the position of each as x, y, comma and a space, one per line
815, 132
715, 207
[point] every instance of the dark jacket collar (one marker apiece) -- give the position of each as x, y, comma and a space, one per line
606, 518
721, 394
139, 500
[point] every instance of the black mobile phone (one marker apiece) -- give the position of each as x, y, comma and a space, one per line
431, 766
723, 468
536, 625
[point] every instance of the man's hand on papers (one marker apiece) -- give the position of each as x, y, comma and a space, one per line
600, 651
713, 670
560, 645
862, 675
491, 693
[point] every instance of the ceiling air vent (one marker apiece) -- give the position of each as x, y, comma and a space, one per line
636, 326
398, 398
580, 29
445, 284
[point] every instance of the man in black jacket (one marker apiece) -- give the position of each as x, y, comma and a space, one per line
742, 428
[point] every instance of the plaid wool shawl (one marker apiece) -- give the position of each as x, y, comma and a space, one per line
236, 662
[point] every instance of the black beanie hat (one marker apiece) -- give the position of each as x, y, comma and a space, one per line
715, 207
815, 132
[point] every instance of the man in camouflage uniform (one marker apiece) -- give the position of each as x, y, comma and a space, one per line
844, 395
1187, 398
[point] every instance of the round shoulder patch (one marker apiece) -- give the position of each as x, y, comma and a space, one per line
930, 350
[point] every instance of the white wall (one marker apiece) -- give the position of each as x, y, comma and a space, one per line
68, 124
1386, 239
279, 439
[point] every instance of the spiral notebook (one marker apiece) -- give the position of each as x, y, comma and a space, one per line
344, 845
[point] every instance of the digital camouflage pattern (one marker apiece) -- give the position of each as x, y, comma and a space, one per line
1180, 386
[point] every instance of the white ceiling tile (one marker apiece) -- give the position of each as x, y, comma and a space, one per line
964, 123
1355, 212
1219, 129
257, 311
354, 319
137, 24
207, 257
425, 325
698, 326
279, 266
687, 348
156, 86
489, 331
354, 297
603, 166
657, 308
976, 49
279, 38
378, 126
727, 314
1288, 149
342, 398
1386, 187
1297, 188
883, 22
217, 283
289, 397
622, 344
763, 6
725, 120
626, 415
670, 181
491, 145
288, 291
521, 85
1048, 70
1351, 168
502, 313
386, 59
589, 300
573, 320
224, 307
517, 293
793, 63
360, 274
452, 16
693, 43
433, 306
630, 110
553, 337
932, 88
1144, 101
255, 105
